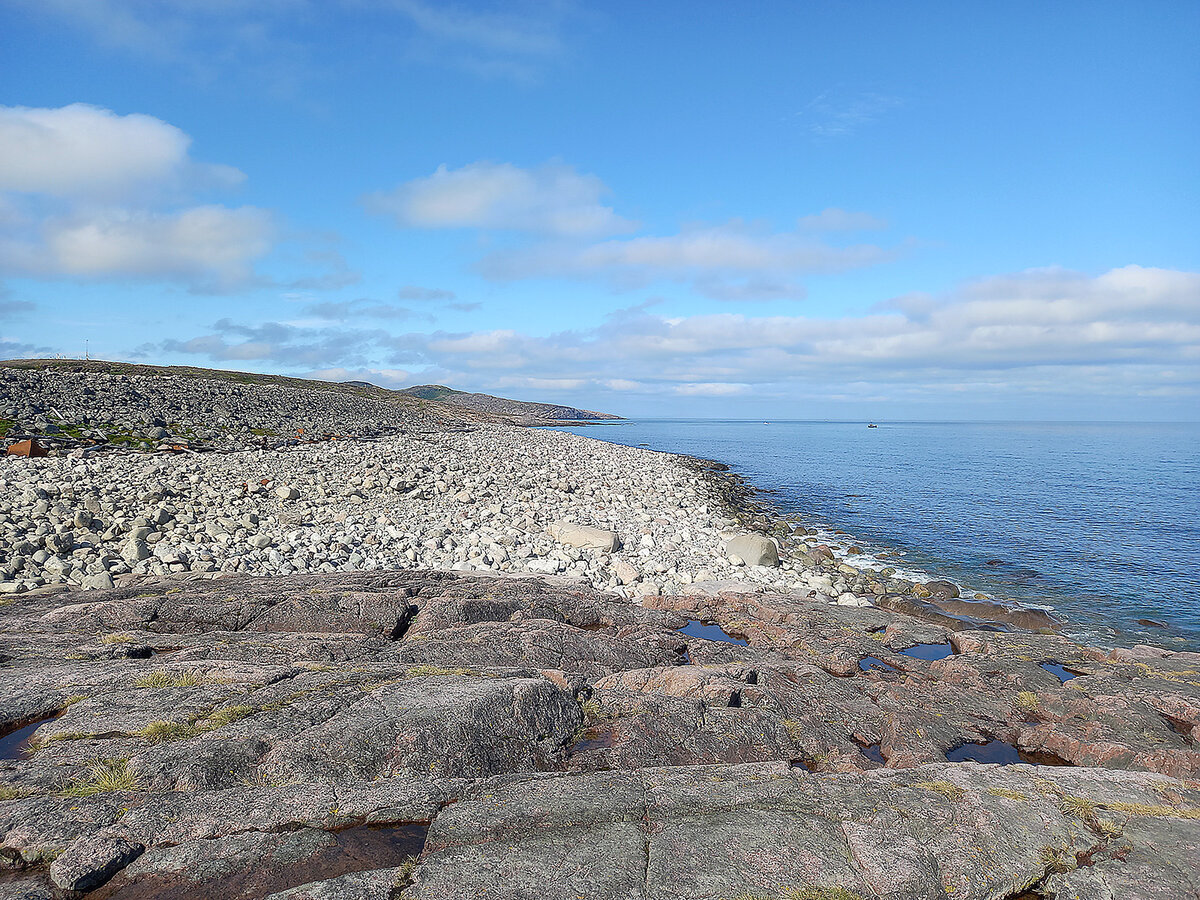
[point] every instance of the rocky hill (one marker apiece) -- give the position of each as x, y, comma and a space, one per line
71, 402
503, 406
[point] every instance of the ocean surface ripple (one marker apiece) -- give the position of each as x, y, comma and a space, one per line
1097, 521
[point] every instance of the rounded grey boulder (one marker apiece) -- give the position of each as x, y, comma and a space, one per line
753, 550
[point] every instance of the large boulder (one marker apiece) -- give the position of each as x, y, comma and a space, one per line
585, 537
753, 550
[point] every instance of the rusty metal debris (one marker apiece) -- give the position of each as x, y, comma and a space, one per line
30, 448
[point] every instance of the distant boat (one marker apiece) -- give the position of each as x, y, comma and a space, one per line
872, 425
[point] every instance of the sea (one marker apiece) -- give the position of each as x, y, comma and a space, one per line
1097, 522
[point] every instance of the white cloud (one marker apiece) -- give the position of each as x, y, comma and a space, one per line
505, 31
85, 151
209, 246
96, 195
552, 199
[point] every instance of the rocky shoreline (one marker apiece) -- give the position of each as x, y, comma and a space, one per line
455, 661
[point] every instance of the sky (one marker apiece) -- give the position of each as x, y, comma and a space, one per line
879, 210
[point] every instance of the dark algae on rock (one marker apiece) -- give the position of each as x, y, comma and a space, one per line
421, 734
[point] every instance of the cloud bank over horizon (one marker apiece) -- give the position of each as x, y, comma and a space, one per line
1131, 331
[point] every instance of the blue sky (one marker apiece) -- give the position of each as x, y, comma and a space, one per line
876, 210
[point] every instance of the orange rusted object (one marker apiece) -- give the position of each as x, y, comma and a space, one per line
299, 432
26, 448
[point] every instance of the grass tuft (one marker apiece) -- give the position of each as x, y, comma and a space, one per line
1027, 701
9, 792
1057, 859
1007, 794
117, 638
592, 710
163, 731
102, 777
226, 715
1155, 812
165, 679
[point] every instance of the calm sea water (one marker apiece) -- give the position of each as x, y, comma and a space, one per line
1100, 522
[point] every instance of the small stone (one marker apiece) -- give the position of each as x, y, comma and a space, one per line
60, 544
286, 493
625, 571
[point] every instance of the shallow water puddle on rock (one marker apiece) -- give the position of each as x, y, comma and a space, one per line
1064, 675
928, 652
872, 664
1005, 754
871, 751
710, 631
361, 848
596, 737
15, 744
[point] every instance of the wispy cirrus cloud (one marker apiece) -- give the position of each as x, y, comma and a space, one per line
278, 46
515, 40
838, 112
11, 309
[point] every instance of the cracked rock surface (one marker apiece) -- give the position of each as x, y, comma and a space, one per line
433, 734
